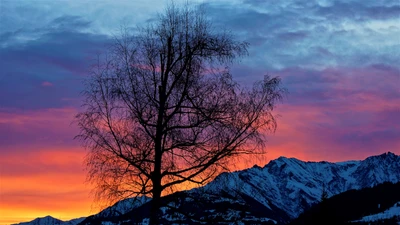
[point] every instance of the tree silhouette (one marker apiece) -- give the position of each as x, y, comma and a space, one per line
162, 109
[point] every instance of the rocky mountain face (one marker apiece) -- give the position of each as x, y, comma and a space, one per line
274, 194
293, 185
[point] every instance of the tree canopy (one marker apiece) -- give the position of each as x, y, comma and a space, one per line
162, 108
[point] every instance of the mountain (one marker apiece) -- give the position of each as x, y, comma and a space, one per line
108, 214
274, 194
122, 207
379, 205
117, 210
294, 186
48, 220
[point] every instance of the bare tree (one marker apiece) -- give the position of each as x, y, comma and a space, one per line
162, 110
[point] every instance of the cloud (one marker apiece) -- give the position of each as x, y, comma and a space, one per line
356, 10
41, 160
68, 22
339, 113
285, 35
61, 56
46, 84
334, 113
24, 129
61, 24
314, 34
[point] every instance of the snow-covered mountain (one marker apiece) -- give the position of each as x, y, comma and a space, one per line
279, 191
293, 185
275, 193
48, 220
122, 207
118, 209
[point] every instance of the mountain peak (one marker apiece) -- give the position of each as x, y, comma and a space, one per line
283, 159
47, 218
255, 166
387, 156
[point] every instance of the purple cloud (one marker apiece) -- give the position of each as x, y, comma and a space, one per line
59, 60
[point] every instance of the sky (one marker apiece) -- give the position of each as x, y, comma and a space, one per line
339, 61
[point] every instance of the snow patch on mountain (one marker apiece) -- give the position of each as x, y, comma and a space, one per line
387, 214
122, 207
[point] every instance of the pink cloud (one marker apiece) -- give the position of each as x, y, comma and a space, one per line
46, 84
339, 114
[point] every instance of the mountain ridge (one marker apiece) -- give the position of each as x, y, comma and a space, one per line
49, 220
285, 187
302, 182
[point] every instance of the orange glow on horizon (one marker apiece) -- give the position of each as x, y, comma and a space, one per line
43, 182
64, 195
47, 177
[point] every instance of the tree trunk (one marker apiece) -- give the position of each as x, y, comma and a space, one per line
156, 179
156, 175
155, 204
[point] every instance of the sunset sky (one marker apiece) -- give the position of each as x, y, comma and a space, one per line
339, 60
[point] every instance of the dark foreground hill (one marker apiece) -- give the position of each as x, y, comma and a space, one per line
376, 205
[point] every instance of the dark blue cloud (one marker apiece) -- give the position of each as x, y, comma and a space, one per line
61, 55
68, 22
